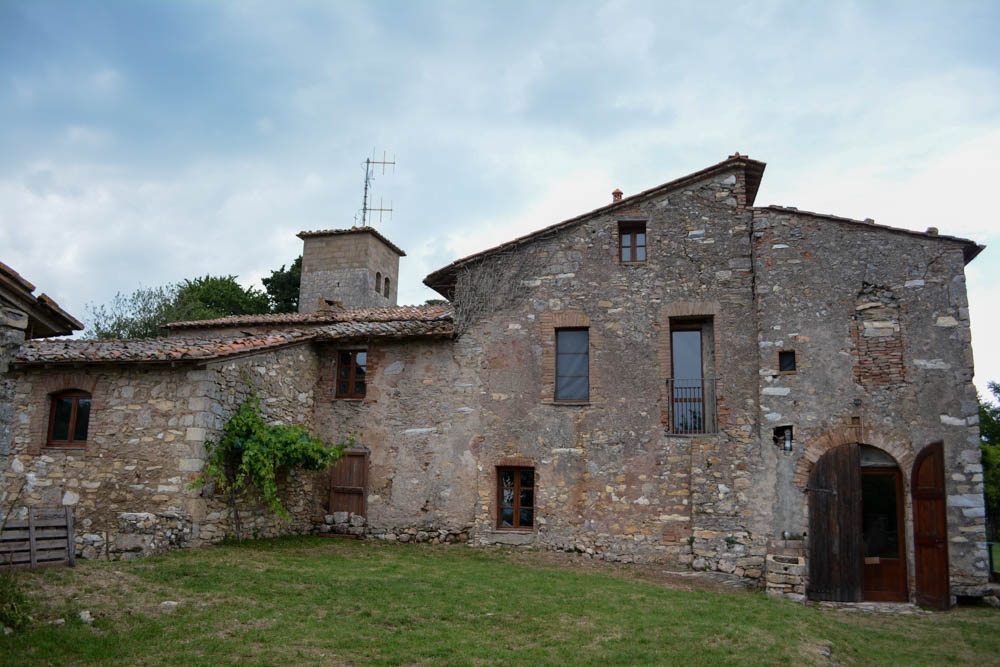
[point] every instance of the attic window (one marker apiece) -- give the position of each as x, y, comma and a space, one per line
632, 241
786, 361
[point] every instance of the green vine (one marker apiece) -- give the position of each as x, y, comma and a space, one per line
253, 453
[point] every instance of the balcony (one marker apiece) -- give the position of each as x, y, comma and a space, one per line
691, 406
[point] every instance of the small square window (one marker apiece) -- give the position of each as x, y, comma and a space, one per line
632, 241
351, 367
786, 361
515, 498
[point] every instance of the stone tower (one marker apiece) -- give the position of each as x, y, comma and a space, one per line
355, 268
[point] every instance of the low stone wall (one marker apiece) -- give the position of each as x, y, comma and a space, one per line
786, 577
138, 534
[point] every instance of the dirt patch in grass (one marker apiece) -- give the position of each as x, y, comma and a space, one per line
659, 574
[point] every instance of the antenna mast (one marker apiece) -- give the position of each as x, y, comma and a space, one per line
370, 165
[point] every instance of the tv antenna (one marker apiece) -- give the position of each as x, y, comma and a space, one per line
371, 164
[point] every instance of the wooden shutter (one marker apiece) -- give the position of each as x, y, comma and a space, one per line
348, 482
835, 549
930, 533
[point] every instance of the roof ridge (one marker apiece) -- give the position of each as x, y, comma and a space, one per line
624, 203
969, 253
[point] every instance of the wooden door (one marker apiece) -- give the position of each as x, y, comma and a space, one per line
883, 534
930, 536
835, 548
348, 483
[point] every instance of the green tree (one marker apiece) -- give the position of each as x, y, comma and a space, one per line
989, 429
139, 314
142, 313
283, 287
218, 296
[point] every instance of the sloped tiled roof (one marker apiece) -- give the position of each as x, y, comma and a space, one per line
45, 316
383, 330
379, 323
153, 350
389, 314
353, 230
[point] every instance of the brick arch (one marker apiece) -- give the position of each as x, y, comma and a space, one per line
900, 450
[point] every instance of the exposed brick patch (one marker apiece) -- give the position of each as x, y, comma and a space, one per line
877, 332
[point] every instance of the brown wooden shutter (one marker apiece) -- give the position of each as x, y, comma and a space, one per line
930, 533
348, 482
835, 549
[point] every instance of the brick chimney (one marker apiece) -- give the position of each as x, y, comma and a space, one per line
616, 195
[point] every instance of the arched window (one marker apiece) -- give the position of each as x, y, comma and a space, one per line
378, 281
386, 292
69, 417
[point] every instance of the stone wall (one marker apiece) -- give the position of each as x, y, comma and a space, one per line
418, 423
609, 479
13, 323
879, 323
146, 444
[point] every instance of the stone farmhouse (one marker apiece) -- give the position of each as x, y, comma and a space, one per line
679, 376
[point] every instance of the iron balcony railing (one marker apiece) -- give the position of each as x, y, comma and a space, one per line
692, 406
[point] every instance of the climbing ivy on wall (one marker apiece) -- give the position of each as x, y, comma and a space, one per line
252, 454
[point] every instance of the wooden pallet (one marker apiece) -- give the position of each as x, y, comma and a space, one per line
44, 539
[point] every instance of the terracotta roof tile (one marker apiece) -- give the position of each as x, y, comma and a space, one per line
409, 322
353, 230
152, 350
391, 314
396, 329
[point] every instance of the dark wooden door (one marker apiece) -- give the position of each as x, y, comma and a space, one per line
930, 536
348, 483
835, 548
883, 534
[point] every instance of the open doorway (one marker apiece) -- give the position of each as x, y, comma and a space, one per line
856, 529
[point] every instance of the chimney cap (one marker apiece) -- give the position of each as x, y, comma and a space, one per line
616, 195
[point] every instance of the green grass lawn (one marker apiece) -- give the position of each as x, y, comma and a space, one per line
315, 600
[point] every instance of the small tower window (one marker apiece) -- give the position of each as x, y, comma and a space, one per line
378, 281
386, 292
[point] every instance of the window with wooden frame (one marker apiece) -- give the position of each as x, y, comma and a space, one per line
351, 365
515, 498
632, 241
572, 364
69, 419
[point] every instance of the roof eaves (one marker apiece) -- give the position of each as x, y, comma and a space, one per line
353, 230
970, 250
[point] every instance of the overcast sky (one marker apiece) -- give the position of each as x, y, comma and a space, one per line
142, 143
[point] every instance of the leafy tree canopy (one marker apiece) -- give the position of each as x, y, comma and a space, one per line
218, 296
283, 287
989, 428
142, 313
